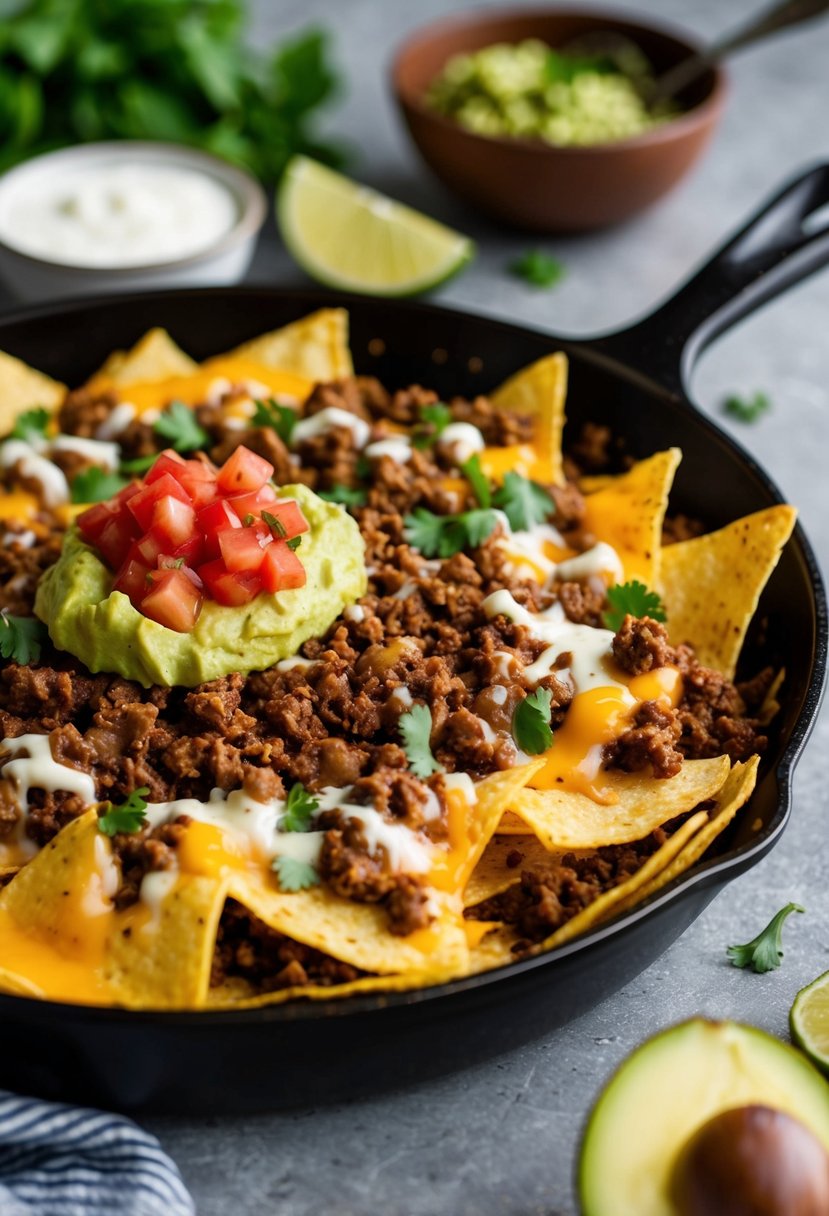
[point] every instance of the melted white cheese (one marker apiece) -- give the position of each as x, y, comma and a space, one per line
33, 767
355, 613
601, 559
105, 455
464, 783
54, 486
326, 420
117, 421
296, 661
461, 440
399, 448
405, 850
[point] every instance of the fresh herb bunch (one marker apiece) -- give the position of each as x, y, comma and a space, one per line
182, 70
764, 952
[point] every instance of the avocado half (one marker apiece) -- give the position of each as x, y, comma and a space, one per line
669, 1088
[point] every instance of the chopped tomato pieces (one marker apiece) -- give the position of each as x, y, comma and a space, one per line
143, 503
172, 600
242, 548
243, 471
132, 580
253, 503
228, 587
281, 569
291, 520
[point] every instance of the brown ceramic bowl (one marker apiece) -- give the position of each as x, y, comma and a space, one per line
534, 185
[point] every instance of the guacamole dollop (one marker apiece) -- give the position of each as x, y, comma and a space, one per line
100, 627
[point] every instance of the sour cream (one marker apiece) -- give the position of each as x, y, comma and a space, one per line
118, 215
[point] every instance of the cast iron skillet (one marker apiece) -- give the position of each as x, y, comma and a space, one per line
250, 1060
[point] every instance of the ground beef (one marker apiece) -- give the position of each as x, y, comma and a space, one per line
21, 565
84, 411
142, 852
641, 644
650, 742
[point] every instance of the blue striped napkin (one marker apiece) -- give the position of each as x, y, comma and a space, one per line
66, 1161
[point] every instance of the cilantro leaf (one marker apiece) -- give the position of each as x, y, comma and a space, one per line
295, 875
96, 485
416, 728
31, 425
294, 542
178, 424
434, 419
633, 598
274, 523
747, 409
531, 722
129, 817
444, 535
21, 638
348, 496
140, 465
476, 477
280, 418
524, 502
765, 952
298, 810
538, 269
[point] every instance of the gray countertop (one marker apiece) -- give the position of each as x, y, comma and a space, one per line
500, 1138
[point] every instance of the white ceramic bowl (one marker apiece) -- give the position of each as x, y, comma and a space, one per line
223, 262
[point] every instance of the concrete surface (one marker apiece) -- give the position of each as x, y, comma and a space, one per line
500, 1139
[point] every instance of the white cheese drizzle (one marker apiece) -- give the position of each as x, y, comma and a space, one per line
53, 484
398, 448
464, 783
117, 421
326, 420
461, 440
105, 455
601, 559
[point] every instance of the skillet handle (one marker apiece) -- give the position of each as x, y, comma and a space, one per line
777, 248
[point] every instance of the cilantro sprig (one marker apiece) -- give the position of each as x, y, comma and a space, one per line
476, 477
140, 465
348, 496
524, 502
299, 809
434, 419
280, 418
96, 485
416, 728
537, 268
295, 875
129, 817
531, 722
21, 638
765, 952
633, 598
178, 424
444, 535
31, 425
747, 409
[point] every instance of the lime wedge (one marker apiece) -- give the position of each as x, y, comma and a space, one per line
350, 237
809, 1021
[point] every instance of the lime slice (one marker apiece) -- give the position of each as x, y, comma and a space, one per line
809, 1021
349, 237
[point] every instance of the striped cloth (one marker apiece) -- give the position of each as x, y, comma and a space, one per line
66, 1161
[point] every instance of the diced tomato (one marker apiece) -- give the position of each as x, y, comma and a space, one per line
123, 496
289, 514
93, 521
172, 600
199, 480
165, 562
116, 539
243, 548
150, 545
214, 519
168, 462
132, 579
229, 588
281, 569
243, 471
253, 503
174, 520
192, 550
143, 503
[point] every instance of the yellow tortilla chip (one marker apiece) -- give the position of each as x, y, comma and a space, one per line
154, 357
628, 514
493, 794
711, 585
24, 388
513, 825
238, 994
771, 706
316, 346
565, 819
540, 390
494, 873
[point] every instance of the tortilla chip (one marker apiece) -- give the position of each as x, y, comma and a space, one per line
540, 390
628, 514
494, 873
512, 825
494, 793
154, 357
771, 706
711, 585
565, 819
238, 994
23, 388
316, 346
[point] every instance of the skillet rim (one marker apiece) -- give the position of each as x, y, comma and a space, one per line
717, 872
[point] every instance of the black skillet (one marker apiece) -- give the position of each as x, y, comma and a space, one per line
259, 1059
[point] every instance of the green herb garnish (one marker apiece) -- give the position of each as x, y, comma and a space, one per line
524, 502
178, 424
416, 728
298, 810
434, 419
346, 495
140, 465
129, 817
531, 722
747, 409
294, 542
280, 418
766, 951
31, 425
96, 485
538, 269
444, 535
21, 638
474, 474
632, 598
274, 523
295, 875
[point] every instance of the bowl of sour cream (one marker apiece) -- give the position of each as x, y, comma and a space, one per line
126, 214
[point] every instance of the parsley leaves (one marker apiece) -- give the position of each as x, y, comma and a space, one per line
633, 598
747, 409
298, 810
294, 875
31, 425
531, 722
178, 424
765, 952
474, 474
524, 502
416, 728
21, 638
348, 496
96, 485
434, 419
280, 418
444, 535
129, 817
538, 269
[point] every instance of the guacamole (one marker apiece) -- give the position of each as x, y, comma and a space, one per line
102, 629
